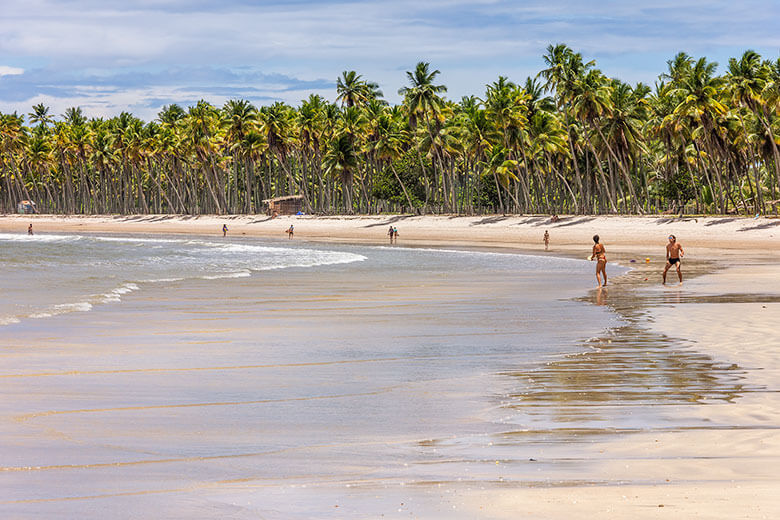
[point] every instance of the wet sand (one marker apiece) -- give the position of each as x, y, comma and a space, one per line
700, 363
718, 454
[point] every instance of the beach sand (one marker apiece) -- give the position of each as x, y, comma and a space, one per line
646, 233
724, 465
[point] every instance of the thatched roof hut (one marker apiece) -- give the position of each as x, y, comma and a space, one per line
288, 205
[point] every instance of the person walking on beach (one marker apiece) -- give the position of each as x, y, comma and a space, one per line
391, 234
600, 256
290, 232
29, 230
224, 230
674, 254
546, 239
395, 234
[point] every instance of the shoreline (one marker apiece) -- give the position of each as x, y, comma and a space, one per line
686, 474
570, 232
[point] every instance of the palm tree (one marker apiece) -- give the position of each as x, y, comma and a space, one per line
421, 97
341, 161
748, 81
240, 121
699, 90
40, 115
353, 90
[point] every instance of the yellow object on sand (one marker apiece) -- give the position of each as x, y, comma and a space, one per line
647, 260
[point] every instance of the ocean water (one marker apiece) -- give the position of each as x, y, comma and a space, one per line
45, 275
210, 377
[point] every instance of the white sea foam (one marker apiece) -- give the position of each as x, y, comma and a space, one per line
24, 237
115, 295
8, 320
239, 274
62, 308
330, 259
134, 240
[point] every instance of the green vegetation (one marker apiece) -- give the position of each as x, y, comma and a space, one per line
568, 141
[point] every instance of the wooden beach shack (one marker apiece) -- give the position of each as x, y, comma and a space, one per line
287, 205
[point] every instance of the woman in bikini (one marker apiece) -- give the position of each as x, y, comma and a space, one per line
600, 256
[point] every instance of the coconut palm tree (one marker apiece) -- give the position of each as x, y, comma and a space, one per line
353, 90
341, 161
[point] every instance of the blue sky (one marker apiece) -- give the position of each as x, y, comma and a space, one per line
109, 56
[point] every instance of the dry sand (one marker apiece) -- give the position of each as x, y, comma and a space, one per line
731, 315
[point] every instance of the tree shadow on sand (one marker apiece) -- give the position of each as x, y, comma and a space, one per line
391, 220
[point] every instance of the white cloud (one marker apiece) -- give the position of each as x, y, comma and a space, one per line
10, 71
471, 42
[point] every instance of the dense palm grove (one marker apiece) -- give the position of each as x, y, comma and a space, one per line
568, 141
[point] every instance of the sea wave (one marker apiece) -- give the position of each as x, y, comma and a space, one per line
115, 295
135, 240
162, 280
62, 308
24, 237
239, 274
112, 267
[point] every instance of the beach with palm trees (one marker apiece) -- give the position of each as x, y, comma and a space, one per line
171, 352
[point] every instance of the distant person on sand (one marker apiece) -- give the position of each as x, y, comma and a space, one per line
555, 218
395, 234
224, 230
391, 234
290, 231
674, 254
29, 230
546, 240
600, 256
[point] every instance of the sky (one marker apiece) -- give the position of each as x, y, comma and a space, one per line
110, 56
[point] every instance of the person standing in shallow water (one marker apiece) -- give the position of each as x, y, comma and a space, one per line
290, 231
224, 230
29, 230
546, 239
674, 254
600, 256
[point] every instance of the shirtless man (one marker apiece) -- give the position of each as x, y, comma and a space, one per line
674, 254
546, 240
600, 256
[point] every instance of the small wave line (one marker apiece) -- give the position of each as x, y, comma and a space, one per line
36, 415
215, 368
